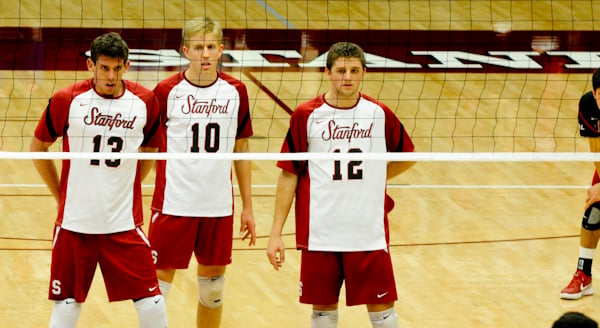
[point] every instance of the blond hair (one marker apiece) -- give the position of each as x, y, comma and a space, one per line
201, 25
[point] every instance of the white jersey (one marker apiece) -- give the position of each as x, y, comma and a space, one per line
100, 195
340, 204
199, 120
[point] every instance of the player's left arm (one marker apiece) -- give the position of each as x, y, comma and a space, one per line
397, 168
243, 173
399, 141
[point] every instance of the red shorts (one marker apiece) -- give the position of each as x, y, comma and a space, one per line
124, 258
174, 238
369, 277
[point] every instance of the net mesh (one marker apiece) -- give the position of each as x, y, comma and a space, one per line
491, 86
464, 77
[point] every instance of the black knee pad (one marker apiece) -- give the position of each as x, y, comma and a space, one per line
591, 217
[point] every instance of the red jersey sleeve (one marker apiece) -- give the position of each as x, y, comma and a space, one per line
54, 120
296, 139
152, 129
244, 129
397, 139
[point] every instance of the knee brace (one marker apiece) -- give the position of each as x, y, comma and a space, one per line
591, 217
211, 291
152, 312
65, 313
324, 319
384, 319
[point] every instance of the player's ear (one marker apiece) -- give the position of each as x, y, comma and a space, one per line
90, 64
126, 66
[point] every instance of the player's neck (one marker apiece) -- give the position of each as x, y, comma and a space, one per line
202, 78
116, 93
341, 101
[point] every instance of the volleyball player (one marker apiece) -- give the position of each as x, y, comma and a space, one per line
99, 200
341, 205
204, 111
589, 113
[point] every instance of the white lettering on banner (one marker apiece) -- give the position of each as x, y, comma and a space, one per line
582, 59
255, 58
446, 59
452, 59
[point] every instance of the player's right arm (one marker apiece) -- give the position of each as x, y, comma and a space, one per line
45, 167
284, 196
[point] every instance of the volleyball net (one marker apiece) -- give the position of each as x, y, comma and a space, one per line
485, 83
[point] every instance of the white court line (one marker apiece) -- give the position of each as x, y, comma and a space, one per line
390, 186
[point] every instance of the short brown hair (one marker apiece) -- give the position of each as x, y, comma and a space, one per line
111, 45
345, 49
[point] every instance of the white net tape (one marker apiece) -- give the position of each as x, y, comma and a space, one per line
427, 157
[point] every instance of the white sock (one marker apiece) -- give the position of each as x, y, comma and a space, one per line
152, 312
65, 314
587, 253
164, 288
324, 319
384, 319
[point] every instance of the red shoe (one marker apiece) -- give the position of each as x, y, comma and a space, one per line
580, 285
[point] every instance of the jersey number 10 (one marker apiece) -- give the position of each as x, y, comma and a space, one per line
211, 138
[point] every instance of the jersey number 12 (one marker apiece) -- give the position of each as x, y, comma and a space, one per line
354, 171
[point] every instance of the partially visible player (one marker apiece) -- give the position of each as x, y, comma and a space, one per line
204, 111
341, 205
573, 319
99, 200
589, 113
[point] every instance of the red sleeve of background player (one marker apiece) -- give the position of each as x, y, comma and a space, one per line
152, 129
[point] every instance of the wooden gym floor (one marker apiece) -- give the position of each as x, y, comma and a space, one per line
474, 244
